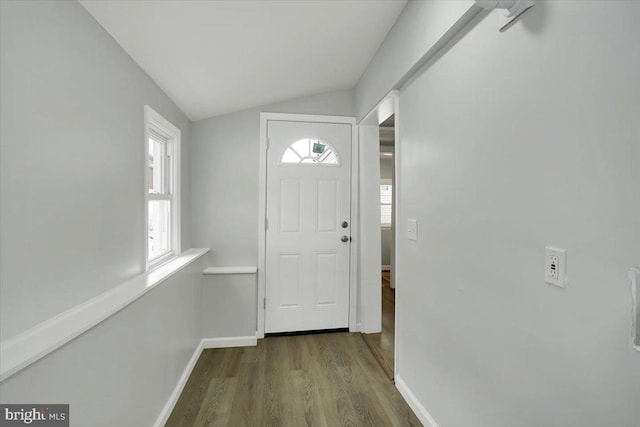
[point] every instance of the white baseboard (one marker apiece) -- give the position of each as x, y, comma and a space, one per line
425, 418
386, 268
225, 342
204, 343
173, 399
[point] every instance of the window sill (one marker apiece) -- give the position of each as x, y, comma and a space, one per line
18, 352
161, 260
230, 270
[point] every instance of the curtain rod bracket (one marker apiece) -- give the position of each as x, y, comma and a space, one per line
510, 11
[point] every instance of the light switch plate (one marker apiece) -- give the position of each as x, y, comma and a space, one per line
555, 266
412, 229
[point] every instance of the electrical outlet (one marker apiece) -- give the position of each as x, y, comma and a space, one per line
555, 266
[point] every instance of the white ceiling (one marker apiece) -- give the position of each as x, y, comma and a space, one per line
214, 57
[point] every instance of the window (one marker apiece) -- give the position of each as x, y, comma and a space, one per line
386, 202
162, 146
310, 151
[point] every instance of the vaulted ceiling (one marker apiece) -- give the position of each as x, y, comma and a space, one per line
214, 57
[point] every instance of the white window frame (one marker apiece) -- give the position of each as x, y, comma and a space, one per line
153, 120
386, 181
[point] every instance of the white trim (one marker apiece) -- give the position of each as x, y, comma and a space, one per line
262, 221
370, 257
231, 270
386, 268
395, 228
262, 208
355, 228
20, 351
634, 276
177, 391
226, 342
390, 104
423, 415
151, 117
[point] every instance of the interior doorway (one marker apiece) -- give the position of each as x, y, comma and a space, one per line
382, 343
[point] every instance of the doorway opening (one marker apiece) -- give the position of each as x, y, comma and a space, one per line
382, 343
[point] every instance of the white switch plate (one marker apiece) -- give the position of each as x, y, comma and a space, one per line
555, 266
412, 229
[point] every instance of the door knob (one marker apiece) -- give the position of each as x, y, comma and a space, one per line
345, 224
344, 239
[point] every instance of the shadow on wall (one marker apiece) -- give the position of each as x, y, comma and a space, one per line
535, 20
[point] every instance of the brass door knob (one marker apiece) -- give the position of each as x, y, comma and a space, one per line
344, 239
345, 224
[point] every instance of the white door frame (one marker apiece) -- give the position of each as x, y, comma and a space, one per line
262, 210
371, 311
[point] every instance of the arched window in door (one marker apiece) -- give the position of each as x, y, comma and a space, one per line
310, 151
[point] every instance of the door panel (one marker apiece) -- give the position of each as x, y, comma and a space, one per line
326, 278
290, 205
308, 198
327, 206
289, 280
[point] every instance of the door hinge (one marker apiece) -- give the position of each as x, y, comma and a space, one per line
266, 223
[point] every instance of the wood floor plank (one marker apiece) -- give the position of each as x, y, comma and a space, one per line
395, 407
189, 404
382, 343
276, 379
307, 394
246, 409
323, 380
336, 396
216, 406
253, 354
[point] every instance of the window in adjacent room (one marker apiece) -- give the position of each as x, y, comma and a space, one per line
386, 202
162, 146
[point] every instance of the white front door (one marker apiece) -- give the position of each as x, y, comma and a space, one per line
308, 226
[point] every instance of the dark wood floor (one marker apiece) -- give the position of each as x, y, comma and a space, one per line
309, 380
382, 343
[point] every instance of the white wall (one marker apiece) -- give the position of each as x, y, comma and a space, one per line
510, 142
72, 161
416, 32
72, 165
224, 173
229, 305
121, 372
